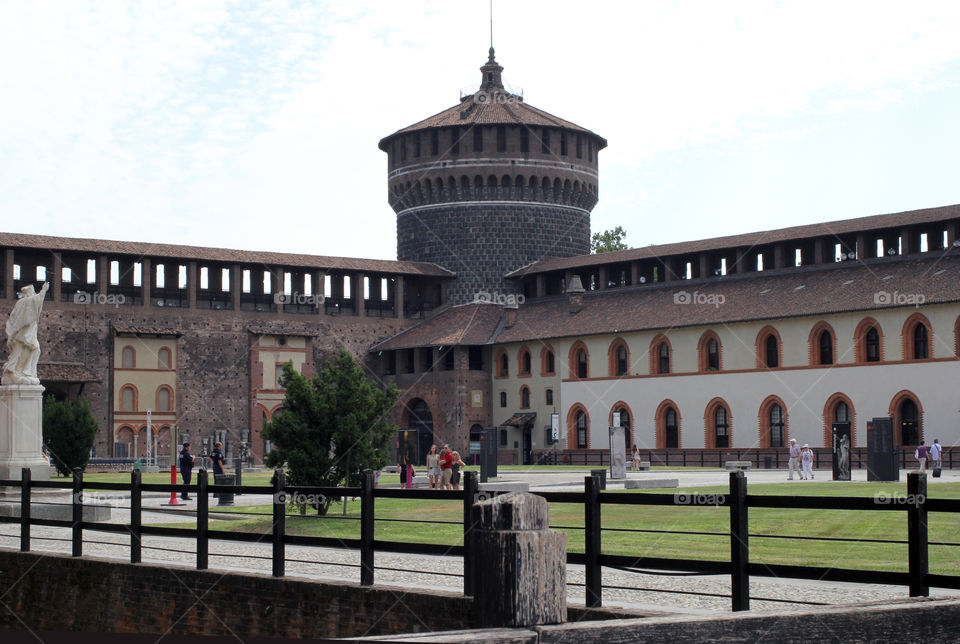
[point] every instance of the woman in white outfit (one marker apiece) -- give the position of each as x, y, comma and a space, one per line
806, 460
433, 466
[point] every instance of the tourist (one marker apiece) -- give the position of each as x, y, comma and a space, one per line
935, 455
636, 458
794, 458
186, 468
446, 465
806, 459
455, 466
433, 466
921, 456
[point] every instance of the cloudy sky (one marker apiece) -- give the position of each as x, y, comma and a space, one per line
255, 124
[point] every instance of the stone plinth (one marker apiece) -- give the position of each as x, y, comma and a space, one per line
521, 565
648, 484
21, 432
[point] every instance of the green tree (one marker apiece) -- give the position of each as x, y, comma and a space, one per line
69, 430
609, 240
331, 427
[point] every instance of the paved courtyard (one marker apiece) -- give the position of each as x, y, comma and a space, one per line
658, 591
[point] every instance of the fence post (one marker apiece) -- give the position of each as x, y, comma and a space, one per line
470, 488
238, 475
77, 527
591, 524
739, 542
366, 529
918, 554
279, 522
136, 517
203, 514
25, 509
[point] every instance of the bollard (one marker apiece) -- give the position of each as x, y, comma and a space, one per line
520, 569
173, 481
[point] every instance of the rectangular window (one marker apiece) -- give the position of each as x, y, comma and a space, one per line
448, 360
563, 143
579, 147
476, 358
503, 399
503, 438
435, 142
454, 140
478, 139
427, 359
390, 363
524, 140
416, 145
410, 365
403, 149
501, 138
544, 141
549, 396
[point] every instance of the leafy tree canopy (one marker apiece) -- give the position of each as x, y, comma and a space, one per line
69, 430
609, 240
331, 426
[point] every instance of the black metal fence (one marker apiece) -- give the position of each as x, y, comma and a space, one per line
917, 578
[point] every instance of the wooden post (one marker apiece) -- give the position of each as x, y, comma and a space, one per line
136, 517
366, 529
77, 527
203, 514
25, 509
591, 521
470, 488
917, 548
739, 542
279, 522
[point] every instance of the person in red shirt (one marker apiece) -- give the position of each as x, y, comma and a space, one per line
446, 468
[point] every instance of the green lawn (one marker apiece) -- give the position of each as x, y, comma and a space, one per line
763, 521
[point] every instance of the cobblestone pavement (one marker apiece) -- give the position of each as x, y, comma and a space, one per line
659, 592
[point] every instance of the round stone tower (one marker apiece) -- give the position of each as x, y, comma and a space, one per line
490, 185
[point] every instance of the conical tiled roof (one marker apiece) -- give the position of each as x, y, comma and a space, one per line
492, 104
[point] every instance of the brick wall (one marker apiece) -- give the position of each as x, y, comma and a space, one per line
58, 593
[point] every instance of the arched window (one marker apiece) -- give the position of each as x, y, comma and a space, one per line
578, 427
524, 360
868, 341
525, 397
776, 426
841, 412
548, 365
549, 396
128, 398
579, 360
671, 429
721, 427
503, 365
920, 349
838, 409
503, 399
663, 358
164, 360
916, 337
164, 399
825, 347
908, 418
717, 424
619, 358
709, 352
873, 344
128, 358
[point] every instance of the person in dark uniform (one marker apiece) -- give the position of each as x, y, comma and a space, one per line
186, 468
216, 457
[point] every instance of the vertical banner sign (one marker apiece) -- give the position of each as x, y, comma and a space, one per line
618, 453
149, 435
555, 427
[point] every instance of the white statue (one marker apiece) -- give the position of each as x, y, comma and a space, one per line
22, 343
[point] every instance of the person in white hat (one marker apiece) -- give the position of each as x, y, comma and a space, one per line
794, 458
806, 459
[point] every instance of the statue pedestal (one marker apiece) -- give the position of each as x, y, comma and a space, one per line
21, 432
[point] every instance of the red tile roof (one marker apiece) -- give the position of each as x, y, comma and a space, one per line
502, 108
226, 255
810, 291
762, 238
65, 372
467, 324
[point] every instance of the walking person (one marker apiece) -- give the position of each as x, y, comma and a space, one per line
433, 466
636, 458
216, 458
936, 453
794, 458
455, 469
806, 459
446, 467
921, 456
186, 468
